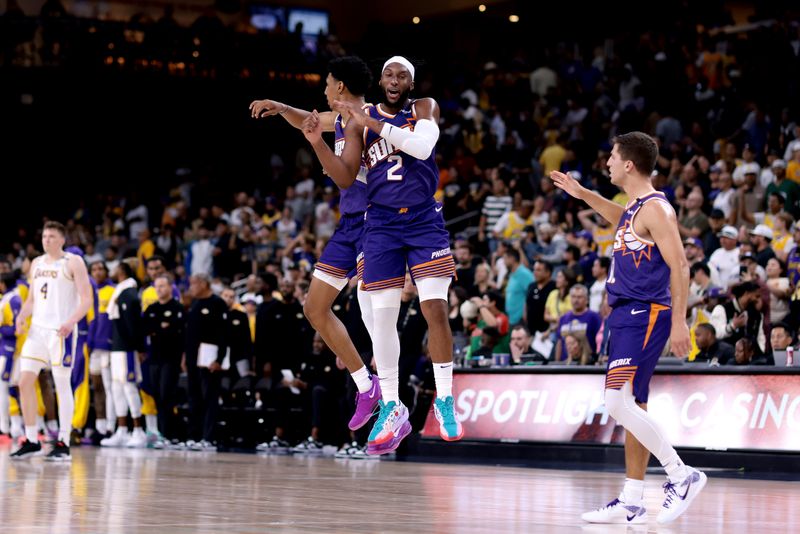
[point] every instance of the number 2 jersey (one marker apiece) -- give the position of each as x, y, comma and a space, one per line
55, 296
395, 179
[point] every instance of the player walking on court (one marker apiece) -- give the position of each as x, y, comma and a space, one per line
404, 228
645, 314
348, 79
60, 295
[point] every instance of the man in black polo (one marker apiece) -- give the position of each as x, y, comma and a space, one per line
206, 345
165, 324
537, 297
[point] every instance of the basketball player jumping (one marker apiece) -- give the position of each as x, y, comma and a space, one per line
404, 227
645, 314
60, 295
348, 79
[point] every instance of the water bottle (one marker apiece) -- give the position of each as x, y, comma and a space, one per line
789, 356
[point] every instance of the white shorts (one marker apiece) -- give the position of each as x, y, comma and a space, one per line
99, 359
125, 367
44, 348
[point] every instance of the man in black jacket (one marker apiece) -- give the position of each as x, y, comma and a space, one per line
127, 348
712, 351
206, 345
165, 323
271, 325
740, 317
240, 342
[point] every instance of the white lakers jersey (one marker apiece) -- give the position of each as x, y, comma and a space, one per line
55, 296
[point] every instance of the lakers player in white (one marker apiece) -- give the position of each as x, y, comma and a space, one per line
60, 295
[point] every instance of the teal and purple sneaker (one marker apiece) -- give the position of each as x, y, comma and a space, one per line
450, 428
390, 428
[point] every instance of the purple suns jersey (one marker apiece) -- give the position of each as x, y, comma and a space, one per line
352, 200
638, 271
395, 179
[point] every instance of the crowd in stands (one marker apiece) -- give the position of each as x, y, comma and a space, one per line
531, 261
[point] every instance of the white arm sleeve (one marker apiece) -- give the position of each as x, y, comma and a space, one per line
419, 143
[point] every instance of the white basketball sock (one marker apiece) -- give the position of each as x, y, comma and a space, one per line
32, 434
443, 376
101, 426
675, 468
362, 379
632, 491
152, 423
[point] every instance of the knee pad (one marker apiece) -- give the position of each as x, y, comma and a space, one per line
433, 288
337, 283
386, 298
615, 405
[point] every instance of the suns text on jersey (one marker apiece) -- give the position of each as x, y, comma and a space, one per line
379, 151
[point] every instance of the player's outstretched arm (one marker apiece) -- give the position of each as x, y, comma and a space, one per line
342, 169
661, 223
610, 211
261, 109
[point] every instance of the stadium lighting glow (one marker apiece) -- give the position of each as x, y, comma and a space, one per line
513, 18
482, 8
415, 20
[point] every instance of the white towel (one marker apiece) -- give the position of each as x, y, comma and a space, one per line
113, 307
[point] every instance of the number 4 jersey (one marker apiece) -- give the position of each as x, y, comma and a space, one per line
395, 179
55, 296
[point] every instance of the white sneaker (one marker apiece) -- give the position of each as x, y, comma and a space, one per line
277, 446
679, 496
117, 439
361, 454
309, 446
138, 439
617, 512
202, 446
347, 451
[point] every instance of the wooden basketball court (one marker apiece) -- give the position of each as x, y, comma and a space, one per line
110, 490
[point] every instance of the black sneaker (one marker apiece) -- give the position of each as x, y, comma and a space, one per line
27, 450
97, 437
60, 453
